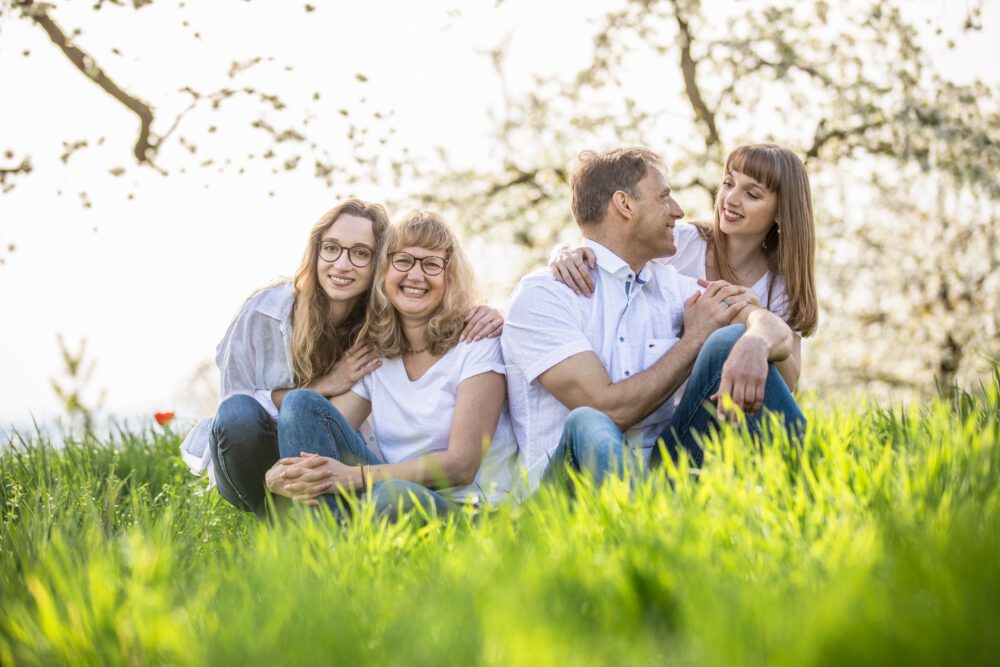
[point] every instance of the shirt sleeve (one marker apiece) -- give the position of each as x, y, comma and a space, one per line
362, 388
543, 327
484, 356
236, 357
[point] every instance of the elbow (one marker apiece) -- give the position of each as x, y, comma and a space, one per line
461, 471
623, 417
464, 475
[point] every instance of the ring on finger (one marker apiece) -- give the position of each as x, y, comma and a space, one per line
726, 301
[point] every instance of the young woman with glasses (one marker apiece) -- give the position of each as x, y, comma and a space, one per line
762, 238
300, 333
437, 404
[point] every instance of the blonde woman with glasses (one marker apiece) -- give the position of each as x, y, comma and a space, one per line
299, 333
437, 404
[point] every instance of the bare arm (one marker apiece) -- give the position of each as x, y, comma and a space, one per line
582, 380
790, 366
359, 360
744, 374
477, 412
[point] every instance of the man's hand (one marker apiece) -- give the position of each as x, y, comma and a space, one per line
716, 307
743, 375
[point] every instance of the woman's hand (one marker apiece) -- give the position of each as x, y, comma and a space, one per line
570, 268
357, 362
744, 375
309, 475
274, 477
482, 322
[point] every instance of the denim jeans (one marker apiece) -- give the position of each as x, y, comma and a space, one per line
694, 416
592, 443
244, 445
309, 423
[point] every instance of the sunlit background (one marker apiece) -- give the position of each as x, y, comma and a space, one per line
430, 103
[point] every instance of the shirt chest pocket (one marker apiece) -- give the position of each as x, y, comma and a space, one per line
654, 348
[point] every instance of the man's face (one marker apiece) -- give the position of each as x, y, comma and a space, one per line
654, 214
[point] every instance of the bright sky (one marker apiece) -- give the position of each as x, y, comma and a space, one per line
152, 282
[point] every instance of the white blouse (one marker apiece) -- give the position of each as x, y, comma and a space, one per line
689, 260
254, 357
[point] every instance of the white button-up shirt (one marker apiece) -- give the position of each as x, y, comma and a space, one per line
629, 323
254, 357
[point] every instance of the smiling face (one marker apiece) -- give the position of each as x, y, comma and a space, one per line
413, 293
341, 280
655, 212
745, 206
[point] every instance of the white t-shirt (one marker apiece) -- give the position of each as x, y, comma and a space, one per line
629, 323
690, 261
413, 418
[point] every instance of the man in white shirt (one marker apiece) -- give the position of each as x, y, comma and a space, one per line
616, 359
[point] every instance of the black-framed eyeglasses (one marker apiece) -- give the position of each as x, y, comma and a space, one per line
358, 255
430, 265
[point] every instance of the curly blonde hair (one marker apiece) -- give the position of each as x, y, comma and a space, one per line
318, 343
383, 327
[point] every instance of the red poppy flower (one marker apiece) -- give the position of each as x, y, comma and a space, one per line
163, 418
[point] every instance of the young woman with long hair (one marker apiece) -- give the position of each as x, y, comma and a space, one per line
299, 333
762, 237
437, 404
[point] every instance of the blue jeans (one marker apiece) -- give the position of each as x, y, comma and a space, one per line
695, 418
592, 443
244, 445
309, 423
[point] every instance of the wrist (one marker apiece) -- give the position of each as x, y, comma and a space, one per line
755, 343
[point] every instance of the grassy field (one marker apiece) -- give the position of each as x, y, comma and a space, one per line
877, 542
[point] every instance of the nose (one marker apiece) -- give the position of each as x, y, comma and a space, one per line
416, 272
343, 262
675, 210
730, 199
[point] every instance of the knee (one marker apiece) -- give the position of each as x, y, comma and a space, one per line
718, 345
239, 418
300, 402
393, 497
587, 420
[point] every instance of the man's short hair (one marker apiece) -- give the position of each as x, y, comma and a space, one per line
598, 176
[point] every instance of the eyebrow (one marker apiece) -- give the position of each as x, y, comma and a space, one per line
754, 184
336, 240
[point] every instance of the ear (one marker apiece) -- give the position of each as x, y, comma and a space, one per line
621, 205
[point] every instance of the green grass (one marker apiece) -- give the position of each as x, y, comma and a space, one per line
877, 542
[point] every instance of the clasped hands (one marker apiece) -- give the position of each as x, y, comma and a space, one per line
305, 477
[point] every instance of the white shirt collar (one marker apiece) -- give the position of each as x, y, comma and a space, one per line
615, 265
277, 304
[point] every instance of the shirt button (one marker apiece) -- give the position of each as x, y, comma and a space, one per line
621, 339
626, 373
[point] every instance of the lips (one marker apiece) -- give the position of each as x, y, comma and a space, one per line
409, 291
731, 216
340, 281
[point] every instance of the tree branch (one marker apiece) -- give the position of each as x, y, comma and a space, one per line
145, 146
688, 67
23, 168
822, 135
